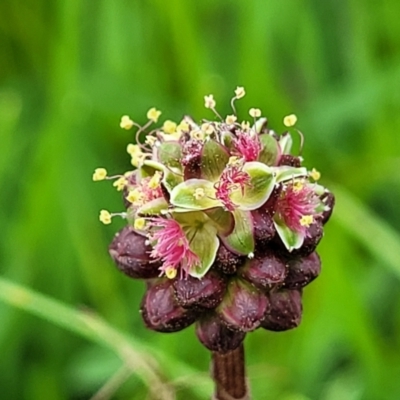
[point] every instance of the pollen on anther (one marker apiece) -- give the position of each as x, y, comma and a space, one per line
120, 183
153, 114
255, 112
170, 272
306, 220
239, 92
290, 120
231, 119
139, 223
126, 122
99, 174
209, 101
133, 149
315, 174
105, 217
169, 127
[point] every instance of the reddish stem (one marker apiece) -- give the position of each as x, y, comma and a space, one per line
228, 372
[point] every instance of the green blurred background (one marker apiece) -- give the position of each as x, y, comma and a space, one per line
69, 69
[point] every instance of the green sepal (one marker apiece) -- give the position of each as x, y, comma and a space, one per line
222, 219
270, 152
241, 240
148, 168
285, 173
259, 188
291, 239
214, 158
203, 241
285, 143
153, 207
183, 195
172, 177
170, 153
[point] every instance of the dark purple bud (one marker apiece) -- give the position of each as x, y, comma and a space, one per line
192, 159
243, 306
313, 237
302, 271
206, 292
285, 310
263, 228
329, 200
131, 254
270, 205
264, 271
160, 310
291, 161
227, 262
216, 336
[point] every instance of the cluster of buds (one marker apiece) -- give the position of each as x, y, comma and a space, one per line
222, 224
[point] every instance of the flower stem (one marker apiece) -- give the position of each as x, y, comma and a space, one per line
228, 372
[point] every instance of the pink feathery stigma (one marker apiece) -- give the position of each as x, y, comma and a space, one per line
248, 146
171, 246
232, 178
297, 200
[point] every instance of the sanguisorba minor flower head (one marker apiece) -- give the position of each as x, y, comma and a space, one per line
222, 224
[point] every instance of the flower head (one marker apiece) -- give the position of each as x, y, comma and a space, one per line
297, 205
248, 146
171, 245
233, 177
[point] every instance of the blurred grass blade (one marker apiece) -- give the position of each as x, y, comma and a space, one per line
374, 233
93, 328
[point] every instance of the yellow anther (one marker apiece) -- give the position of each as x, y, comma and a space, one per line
139, 224
306, 220
234, 160
153, 114
239, 92
290, 120
150, 140
209, 101
199, 193
245, 125
170, 272
255, 112
197, 134
120, 183
297, 186
155, 180
137, 159
126, 122
315, 174
207, 128
133, 149
105, 217
99, 174
230, 119
135, 197
183, 127
169, 127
